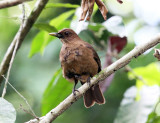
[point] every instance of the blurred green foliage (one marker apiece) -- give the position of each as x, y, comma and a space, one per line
148, 74
58, 89
153, 118
60, 5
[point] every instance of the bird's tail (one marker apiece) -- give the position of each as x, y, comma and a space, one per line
94, 94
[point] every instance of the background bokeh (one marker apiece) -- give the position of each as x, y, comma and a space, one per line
35, 69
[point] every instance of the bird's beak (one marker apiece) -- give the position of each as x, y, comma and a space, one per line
53, 34
58, 35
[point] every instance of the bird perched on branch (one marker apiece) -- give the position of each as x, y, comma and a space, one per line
80, 62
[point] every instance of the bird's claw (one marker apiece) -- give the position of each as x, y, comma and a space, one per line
74, 91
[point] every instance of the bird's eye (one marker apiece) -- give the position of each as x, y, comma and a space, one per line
66, 33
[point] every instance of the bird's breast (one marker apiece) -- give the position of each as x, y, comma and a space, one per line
78, 60
68, 55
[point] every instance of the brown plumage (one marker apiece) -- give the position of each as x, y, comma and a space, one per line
80, 61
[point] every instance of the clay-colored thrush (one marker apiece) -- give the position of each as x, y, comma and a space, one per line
80, 61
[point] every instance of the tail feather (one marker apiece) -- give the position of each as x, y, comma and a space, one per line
93, 95
98, 96
88, 98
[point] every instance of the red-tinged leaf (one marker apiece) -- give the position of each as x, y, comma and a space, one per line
117, 43
120, 1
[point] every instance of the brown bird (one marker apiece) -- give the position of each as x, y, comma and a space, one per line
80, 61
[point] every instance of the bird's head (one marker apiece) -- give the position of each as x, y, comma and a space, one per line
65, 35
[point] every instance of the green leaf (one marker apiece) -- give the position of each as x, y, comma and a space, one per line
56, 22
95, 9
65, 25
65, 5
100, 31
7, 112
89, 36
42, 39
132, 111
157, 110
45, 27
95, 27
150, 74
58, 89
153, 118
39, 42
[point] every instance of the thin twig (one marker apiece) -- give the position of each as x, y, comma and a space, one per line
10, 3
8, 73
158, 102
32, 112
39, 5
129, 69
65, 104
28, 112
14, 52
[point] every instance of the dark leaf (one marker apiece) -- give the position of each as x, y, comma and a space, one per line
89, 36
120, 1
104, 36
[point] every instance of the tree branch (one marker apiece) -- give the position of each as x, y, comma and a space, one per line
14, 53
10, 3
64, 105
40, 4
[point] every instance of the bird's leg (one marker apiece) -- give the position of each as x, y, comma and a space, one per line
74, 88
89, 81
76, 76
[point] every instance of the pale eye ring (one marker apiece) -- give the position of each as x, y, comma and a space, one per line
66, 33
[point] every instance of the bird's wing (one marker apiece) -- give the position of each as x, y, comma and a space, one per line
95, 56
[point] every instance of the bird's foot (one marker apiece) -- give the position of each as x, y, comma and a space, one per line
74, 91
